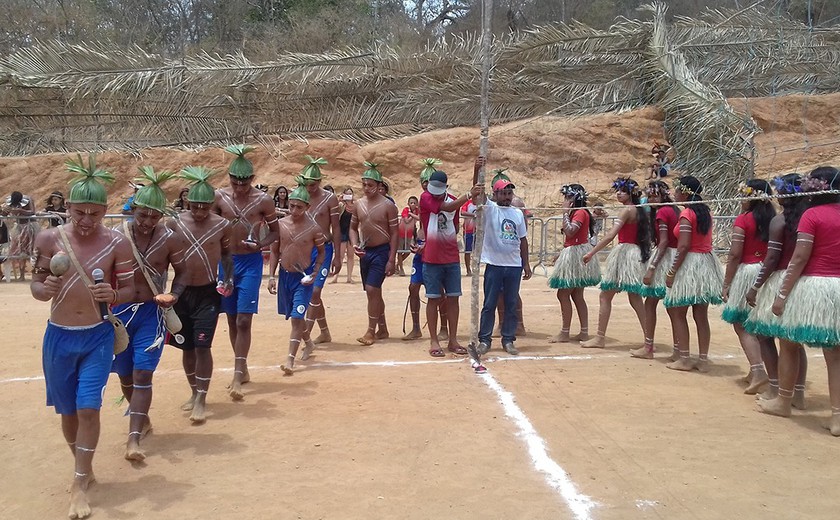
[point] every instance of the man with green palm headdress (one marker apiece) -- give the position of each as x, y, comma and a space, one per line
155, 248
323, 208
78, 343
207, 242
374, 236
247, 208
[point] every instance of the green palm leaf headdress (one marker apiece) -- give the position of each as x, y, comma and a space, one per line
312, 171
200, 189
430, 165
300, 194
88, 184
241, 167
151, 196
372, 173
499, 174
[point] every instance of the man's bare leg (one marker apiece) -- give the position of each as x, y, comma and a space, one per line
604, 310
443, 334
295, 337
317, 313
382, 328
452, 314
414, 308
87, 438
203, 374
432, 322
376, 307
138, 414
188, 360
241, 347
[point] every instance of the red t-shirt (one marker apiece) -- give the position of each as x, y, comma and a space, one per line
628, 232
406, 229
469, 223
441, 231
582, 235
668, 216
823, 223
755, 249
699, 243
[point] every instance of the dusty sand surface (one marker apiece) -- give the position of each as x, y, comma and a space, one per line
428, 439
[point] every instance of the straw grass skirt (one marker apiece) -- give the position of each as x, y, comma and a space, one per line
811, 315
624, 269
699, 281
736, 310
570, 272
761, 320
656, 289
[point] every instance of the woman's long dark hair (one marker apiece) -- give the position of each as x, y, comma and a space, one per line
762, 209
663, 191
792, 207
277, 199
701, 211
579, 194
831, 177
631, 187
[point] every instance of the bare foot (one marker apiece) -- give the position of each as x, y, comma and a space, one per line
308, 347
349, 280
703, 365
745, 379
323, 337
596, 342
675, 356
798, 400
133, 451
582, 336
413, 334
833, 425
367, 339
563, 337
188, 405
757, 382
642, 352
146, 429
682, 364
777, 406
198, 415
235, 391
443, 335
246, 376
383, 334
287, 370
768, 393
79, 505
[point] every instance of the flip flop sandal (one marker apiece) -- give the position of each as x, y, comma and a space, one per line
437, 353
460, 351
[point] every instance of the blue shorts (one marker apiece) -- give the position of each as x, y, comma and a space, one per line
77, 362
146, 335
373, 264
417, 267
247, 277
292, 296
468, 242
441, 279
321, 277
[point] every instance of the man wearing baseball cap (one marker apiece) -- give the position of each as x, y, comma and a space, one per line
505, 256
441, 258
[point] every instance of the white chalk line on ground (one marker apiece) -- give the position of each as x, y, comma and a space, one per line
556, 477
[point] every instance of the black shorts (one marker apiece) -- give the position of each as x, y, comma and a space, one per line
198, 309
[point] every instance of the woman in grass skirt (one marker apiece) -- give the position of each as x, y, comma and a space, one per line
761, 320
625, 265
695, 278
750, 234
571, 275
663, 221
808, 302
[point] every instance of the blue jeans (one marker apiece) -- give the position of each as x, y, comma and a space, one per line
499, 279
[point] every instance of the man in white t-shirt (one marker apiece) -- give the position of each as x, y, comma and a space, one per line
505, 255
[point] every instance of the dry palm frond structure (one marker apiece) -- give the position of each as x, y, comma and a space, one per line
60, 97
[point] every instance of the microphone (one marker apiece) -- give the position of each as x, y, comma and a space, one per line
99, 277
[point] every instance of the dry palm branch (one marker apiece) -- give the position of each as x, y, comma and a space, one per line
61, 97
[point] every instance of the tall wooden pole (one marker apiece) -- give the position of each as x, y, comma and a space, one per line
483, 149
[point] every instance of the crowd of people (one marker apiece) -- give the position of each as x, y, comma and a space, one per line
108, 284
